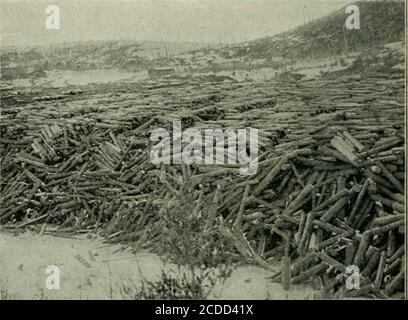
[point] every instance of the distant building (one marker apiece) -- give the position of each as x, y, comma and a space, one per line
36, 73
158, 72
289, 77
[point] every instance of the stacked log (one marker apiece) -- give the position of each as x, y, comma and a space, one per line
328, 193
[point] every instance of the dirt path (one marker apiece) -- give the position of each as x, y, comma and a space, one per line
90, 269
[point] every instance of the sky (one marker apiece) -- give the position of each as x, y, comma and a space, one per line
22, 22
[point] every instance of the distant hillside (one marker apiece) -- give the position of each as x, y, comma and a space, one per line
380, 22
123, 55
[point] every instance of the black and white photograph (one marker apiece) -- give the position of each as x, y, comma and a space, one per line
202, 150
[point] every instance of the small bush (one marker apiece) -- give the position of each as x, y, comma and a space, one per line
187, 234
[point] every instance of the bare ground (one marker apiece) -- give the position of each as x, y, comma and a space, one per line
91, 269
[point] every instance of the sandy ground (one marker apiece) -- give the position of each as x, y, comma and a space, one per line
91, 269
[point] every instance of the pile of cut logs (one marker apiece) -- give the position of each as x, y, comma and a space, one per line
327, 199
